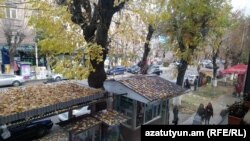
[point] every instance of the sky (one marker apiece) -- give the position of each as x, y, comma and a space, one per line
242, 4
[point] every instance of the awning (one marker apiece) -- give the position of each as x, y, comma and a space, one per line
237, 69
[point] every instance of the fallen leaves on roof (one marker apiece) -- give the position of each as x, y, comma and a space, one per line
16, 100
152, 87
81, 124
111, 117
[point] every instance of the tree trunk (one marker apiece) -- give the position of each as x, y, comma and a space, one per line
11, 55
215, 67
181, 72
97, 77
226, 60
215, 54
95, 28
143, 63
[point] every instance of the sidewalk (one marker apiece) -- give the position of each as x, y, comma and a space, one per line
219, 104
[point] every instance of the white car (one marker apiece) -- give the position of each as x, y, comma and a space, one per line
76, 113
57, 77
8, 79
205, 62
190, 78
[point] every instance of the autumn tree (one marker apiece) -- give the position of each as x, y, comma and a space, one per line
188, 25
95, 19
236, 44
125, 38
2, 8
220, 27
152, 13
60, 40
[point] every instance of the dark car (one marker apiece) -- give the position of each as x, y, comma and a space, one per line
28, 131
134, 69
155, 69
116, 70
209, 66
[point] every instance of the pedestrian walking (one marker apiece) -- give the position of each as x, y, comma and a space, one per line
201, 111
199, 116
175, 112
208, 113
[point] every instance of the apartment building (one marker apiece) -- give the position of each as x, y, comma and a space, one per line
15, 33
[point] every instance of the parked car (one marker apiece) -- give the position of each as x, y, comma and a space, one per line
8, 80
57, 77
154, 69
54, 78
116, 70
30, 131
209, 66
75, 113
134, 69
191, 79
204, 62
177, 63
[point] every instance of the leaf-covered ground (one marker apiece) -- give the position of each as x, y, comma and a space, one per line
190, 102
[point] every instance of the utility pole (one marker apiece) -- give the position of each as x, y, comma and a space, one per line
36, 54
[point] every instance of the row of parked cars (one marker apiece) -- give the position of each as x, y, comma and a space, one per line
153, 69
16, 80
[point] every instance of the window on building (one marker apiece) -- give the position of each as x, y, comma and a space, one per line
152, 111
11, 13
140, 113
92, 134
125, 106
148, 113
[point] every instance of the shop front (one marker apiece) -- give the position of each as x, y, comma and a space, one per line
144, 99
102, 126
24, 59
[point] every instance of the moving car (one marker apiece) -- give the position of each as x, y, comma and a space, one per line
8, 80
30, 131
134, 69
116, 70
154, 69
76, 113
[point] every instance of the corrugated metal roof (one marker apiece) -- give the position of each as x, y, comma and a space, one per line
151, 87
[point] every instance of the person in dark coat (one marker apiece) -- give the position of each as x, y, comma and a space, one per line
195, 83
199, 116
187, 84
201, 112
175, 112
208, 113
